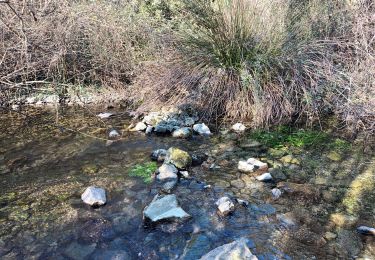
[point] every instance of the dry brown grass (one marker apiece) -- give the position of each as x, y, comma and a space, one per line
267, 69
77, 42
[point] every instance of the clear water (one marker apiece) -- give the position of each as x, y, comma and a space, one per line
48, 158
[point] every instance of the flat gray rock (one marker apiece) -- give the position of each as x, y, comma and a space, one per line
164, 207
105, 115
232, 251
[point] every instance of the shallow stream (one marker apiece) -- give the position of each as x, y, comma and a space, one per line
48, 157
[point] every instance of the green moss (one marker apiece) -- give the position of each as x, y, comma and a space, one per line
291, 137
144, 171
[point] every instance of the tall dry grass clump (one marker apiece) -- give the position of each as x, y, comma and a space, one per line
263, 61
59, 42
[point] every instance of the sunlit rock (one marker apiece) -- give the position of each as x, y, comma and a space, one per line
153, 118
149, 130
164, 207
225, 205
113, 134
251, 165
183, 132
202, 129
264, 177
140, 126
246, 167
178, 157
239, 127
94, 196
366, 230
167, 171
235, 250
258, 164
105, 115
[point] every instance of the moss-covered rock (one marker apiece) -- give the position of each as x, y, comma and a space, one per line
290, 159
334, 156
178, 157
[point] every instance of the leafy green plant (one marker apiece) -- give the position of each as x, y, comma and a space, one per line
144, 171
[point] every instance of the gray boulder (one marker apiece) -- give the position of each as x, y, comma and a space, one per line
235, 250
164, 207
94, 196
202, 129
166, 172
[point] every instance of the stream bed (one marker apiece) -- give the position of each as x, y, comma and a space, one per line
48, 157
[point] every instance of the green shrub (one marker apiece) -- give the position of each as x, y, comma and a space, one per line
144, 171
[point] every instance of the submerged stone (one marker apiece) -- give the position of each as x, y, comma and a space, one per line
164, 207
112, 255
178, 157
94, 196
235, 250
225, 205
198, 158
77, 251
